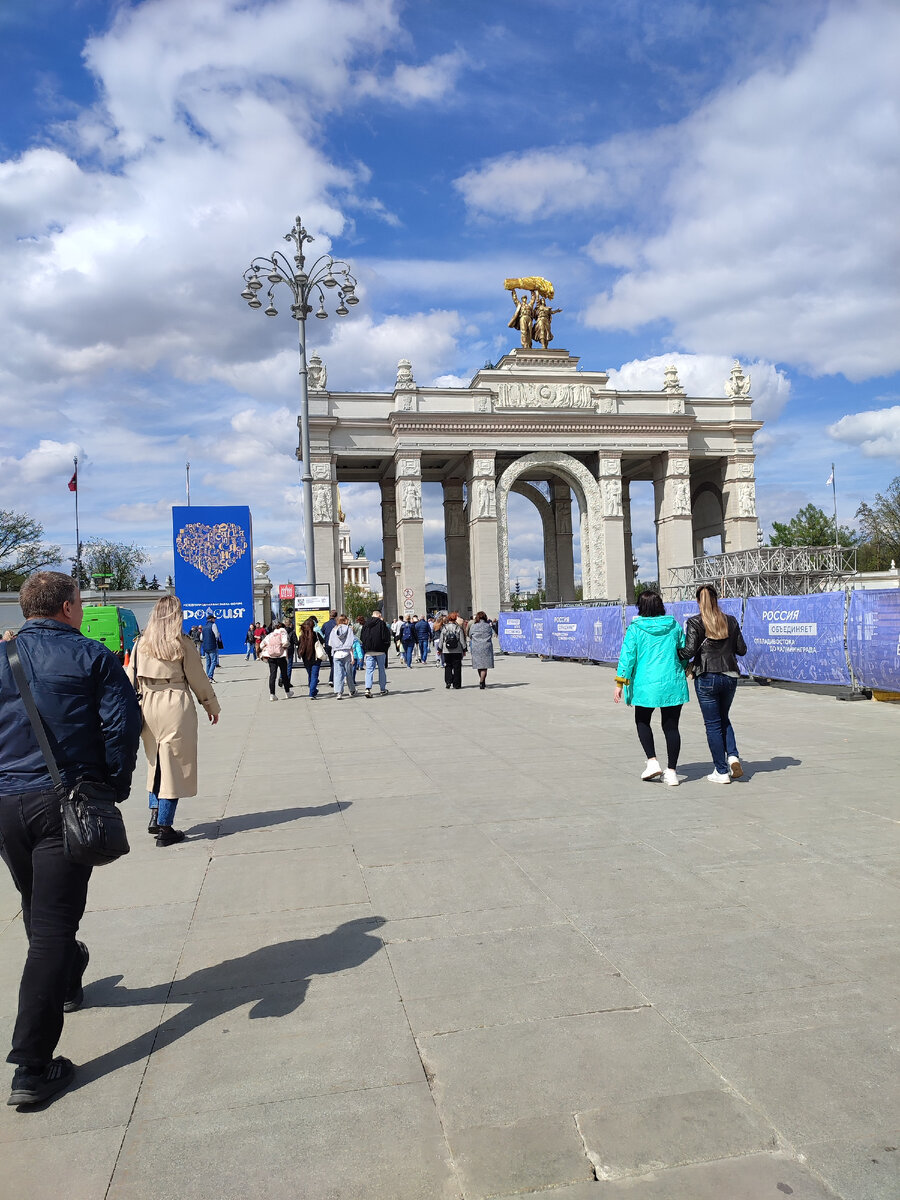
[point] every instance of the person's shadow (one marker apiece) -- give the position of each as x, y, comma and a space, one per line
277, 977
240, 823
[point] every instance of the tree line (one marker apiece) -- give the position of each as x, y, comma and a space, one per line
24, 551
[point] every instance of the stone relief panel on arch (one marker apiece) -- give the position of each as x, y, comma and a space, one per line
612, 498
681, 498
323, 509
533, 394
485, 498
412, 500
320, 470
747, 500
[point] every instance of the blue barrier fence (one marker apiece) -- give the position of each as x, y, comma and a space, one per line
801, 639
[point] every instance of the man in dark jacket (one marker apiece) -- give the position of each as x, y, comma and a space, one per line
93, 724
209, 645
375, 638
424, 637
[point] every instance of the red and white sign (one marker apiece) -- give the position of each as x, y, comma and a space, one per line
286, 591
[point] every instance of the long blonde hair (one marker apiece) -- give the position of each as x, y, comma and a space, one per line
162, 637
714, 620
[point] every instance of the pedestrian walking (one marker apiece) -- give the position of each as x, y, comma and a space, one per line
408, 640
312, 653
396, 626
93, 722
326, 635
291, 645
651, 674
210, 645
341, 642
713, 640
259, 633
250, 643
452, 645
274, 649
375, 638
423, 638
164, 673
481, 647
438, 656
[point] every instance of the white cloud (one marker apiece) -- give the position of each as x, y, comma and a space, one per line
704, 375
875, 433
768, 215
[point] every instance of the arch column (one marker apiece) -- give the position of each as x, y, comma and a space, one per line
484, 562
410, 532
456, 547
674, 525
389, 551
617, 546
327, 531
739, 503
565, 557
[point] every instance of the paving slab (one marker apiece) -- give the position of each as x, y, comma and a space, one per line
381, 973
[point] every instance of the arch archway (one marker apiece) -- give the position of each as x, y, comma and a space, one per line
587, 494
548, 524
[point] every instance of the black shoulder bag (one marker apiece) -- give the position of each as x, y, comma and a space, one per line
93, 831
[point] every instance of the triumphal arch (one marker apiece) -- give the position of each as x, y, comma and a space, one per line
534, 424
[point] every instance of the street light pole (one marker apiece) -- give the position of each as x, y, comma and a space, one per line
325, 272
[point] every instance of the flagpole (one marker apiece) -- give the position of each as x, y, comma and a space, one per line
77, 533
837, 540
187, 473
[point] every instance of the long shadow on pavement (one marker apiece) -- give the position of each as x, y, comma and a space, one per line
692, 771
277, 977
240, 823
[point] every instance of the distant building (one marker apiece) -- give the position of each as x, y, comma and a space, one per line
436, 597
354, 570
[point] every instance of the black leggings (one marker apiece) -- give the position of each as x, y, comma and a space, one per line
670, 717
278, 666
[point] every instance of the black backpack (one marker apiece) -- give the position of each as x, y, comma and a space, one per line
407, 632
451, 638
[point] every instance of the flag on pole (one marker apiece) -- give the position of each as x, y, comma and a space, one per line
73, 482
828, 482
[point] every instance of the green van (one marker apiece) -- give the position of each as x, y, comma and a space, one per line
115, 627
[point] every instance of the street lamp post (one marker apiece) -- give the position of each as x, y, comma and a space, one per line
303, 283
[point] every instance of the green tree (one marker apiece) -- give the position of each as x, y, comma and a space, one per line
879, 524
359, 603
810, 527
119, 560
153, 585
142, 583
645, 585
21, 550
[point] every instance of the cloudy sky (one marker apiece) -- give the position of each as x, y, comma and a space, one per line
700, 180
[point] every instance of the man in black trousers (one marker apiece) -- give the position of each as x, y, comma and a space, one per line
93, 724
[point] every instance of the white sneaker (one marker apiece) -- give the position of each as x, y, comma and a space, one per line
652, 770
717, 778
671, 777
273, 698
734, 766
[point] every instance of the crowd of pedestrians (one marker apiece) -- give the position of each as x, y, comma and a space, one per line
95, 713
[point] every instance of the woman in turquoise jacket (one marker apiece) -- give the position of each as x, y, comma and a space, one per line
652, 676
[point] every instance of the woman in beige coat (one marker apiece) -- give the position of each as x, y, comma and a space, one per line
165, 669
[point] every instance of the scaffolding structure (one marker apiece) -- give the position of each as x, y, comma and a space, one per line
768, 571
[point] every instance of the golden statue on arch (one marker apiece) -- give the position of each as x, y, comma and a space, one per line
533, 315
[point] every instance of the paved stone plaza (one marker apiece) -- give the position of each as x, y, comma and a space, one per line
432, 946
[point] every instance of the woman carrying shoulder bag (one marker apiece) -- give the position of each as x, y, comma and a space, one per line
712, 642
165, 669
311, 649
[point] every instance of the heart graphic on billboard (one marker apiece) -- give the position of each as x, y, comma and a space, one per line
212, 549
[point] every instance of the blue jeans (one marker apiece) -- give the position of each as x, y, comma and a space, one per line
212, 661
408, 648
251, 651
313, 674
343, 672
165, 809
714, 695
372, 661
423, 649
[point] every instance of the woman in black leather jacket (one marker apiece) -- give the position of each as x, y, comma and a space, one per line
712, 642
